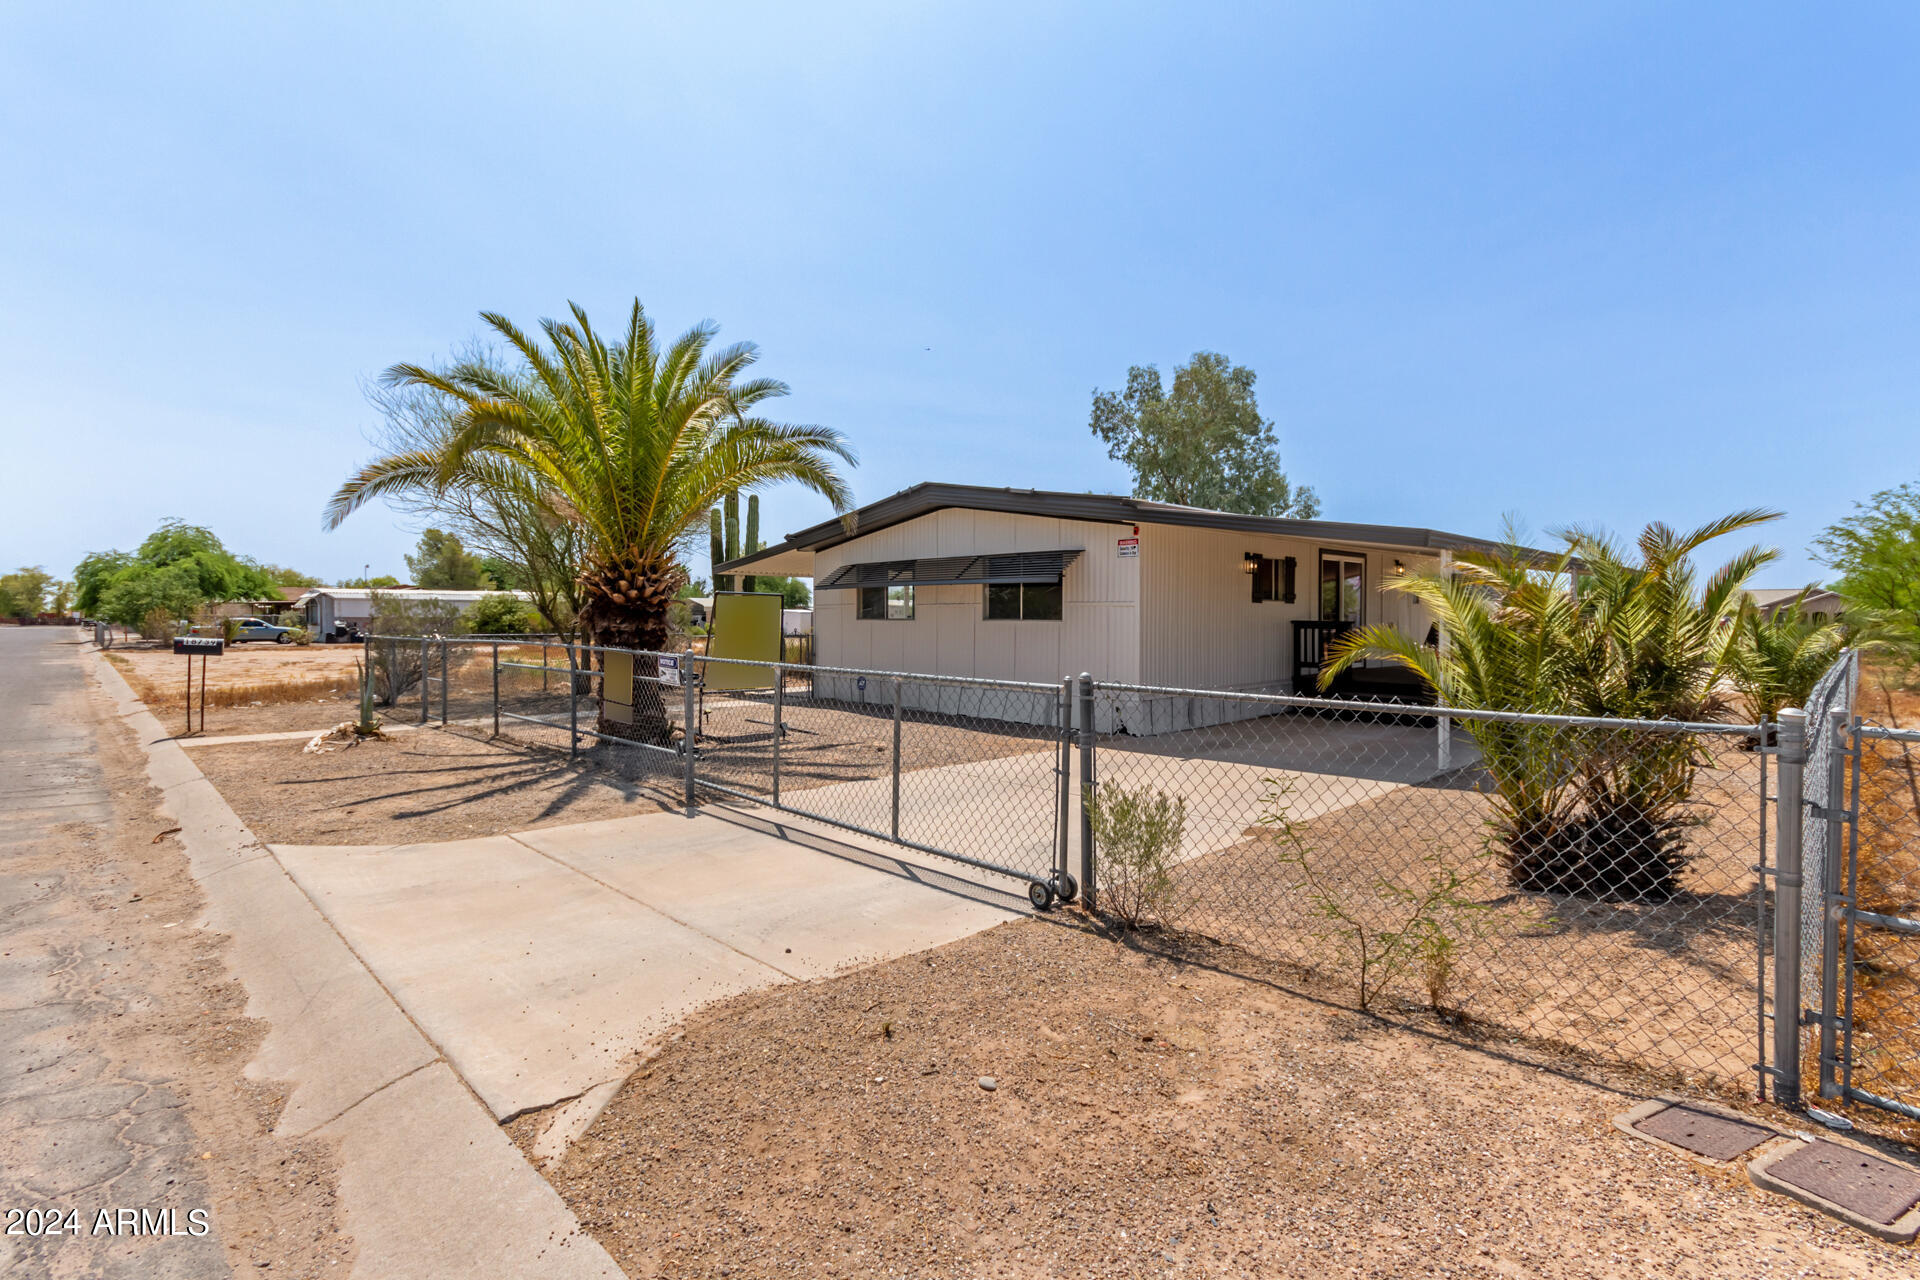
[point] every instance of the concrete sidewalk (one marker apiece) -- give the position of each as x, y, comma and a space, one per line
429, 1185
541, 964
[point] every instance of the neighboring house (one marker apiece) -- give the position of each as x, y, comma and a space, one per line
1821, 605
331, 611
1021, 584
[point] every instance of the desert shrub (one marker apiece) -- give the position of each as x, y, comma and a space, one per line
1380, 926
158, 624
1137, 834
300, 636
500, 614
396, 662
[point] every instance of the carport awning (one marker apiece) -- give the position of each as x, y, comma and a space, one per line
1013, 566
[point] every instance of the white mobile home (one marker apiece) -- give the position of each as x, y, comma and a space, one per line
1020, 584
332, 612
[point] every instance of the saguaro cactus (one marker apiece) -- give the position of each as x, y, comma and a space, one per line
753, 536
717, 547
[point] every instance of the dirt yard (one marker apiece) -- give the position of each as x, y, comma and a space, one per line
1670, 984
421, 785
252, 688
1149, 1117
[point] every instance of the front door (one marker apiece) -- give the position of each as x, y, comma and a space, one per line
1343, 577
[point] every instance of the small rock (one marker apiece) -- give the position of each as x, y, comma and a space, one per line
989, 1083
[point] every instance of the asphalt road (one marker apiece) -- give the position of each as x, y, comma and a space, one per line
80, 1129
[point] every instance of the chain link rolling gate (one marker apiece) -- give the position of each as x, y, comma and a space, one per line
1647, 891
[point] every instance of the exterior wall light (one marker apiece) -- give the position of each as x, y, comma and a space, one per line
1250, 563
1399, 570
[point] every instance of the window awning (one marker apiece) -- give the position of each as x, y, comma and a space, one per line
1014, 566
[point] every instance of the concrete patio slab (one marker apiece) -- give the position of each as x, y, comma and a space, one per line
1001, 810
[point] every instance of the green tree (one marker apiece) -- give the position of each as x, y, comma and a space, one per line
1202, 444
93, 575
178, 568
500, 614
289, 577
440, 561
1876, 551
636, 441
24, 592
794, 592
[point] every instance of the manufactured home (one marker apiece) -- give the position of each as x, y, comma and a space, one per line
1027, 585
335, 613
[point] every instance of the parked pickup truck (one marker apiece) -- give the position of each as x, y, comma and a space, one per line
250, 629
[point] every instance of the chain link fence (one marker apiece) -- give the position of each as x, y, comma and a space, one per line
1879, 1057
1598, 884
1588, 882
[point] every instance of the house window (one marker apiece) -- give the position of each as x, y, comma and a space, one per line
886, 604
1272, 579
1342, 583
1023, 601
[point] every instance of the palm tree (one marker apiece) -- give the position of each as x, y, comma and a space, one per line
1782, 657
633, 442
1594, 633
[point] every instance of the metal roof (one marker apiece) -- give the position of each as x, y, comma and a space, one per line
929, 496
1014, 566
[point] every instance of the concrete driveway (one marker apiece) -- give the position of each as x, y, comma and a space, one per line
541, 964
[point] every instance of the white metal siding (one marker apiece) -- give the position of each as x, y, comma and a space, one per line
949, 634
1200, 628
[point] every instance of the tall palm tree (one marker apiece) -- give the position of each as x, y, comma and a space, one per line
634, 442
1597, 812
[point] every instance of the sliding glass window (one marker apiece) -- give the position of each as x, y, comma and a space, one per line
1023, 602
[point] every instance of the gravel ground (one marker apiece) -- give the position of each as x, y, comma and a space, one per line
1150, 1117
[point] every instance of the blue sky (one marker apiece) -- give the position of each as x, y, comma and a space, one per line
1579, 263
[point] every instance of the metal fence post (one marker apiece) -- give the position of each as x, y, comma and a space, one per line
896, 757
444, 681
573, 701
1832, 902
496, 688
1786, 907
366, 670
1444, 756
779, 698
690, 732
426, 668
1063, 765
1087, 853
543, 666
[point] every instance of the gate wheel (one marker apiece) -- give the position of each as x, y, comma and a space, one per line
1040, 894
1066, 886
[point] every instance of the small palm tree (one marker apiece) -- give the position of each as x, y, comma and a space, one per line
1782, 657
1596, 632
633, 442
